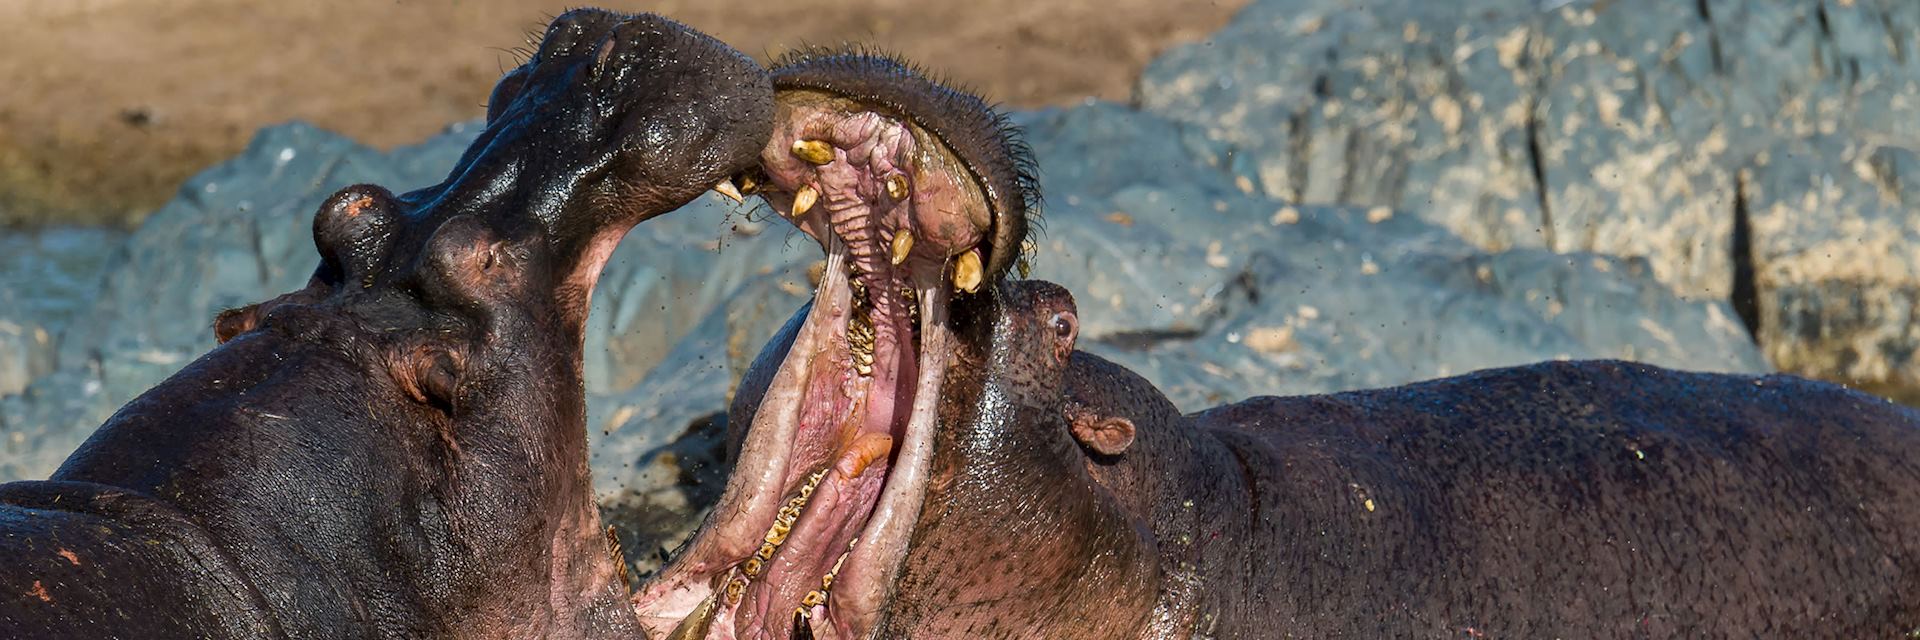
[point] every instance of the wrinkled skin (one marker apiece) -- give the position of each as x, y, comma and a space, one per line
1050, 493
398, 449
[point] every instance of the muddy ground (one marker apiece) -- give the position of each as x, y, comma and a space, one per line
106, 105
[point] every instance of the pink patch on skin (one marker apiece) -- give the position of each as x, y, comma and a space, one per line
70, 556
40, 591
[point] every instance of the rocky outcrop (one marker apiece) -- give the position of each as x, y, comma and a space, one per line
1735, 146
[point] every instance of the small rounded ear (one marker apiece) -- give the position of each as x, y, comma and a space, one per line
233, 322
1108, 435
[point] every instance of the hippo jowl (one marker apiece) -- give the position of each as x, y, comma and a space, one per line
398, 449
921, 452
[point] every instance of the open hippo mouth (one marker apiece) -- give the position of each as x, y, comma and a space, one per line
919, 195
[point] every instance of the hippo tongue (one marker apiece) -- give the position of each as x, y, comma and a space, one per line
828, 483
827, 533
853, 527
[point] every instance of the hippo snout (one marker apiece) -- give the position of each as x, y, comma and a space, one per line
637, 115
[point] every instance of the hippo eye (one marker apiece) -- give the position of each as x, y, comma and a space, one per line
1064, 324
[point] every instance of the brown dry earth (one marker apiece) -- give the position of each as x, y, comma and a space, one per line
107, 105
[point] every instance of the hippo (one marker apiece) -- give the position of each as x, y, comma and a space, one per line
399, 448
922, 451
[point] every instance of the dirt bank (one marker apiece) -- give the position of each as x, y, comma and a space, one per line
109, 104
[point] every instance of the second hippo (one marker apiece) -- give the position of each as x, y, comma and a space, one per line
922, 452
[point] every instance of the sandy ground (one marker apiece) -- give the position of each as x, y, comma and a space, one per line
107, 105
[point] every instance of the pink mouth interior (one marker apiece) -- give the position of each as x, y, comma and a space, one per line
855, 412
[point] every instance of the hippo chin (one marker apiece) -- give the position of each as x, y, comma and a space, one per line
921, 452
398, 449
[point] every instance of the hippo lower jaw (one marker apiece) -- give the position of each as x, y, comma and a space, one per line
914, 198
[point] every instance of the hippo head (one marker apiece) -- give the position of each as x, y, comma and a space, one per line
920, 197
422, 394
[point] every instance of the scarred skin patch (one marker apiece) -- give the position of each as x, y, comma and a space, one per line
70, 556
40, 591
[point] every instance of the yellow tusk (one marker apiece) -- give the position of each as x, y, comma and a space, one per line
698, 623
815, 152
966, 272
804, 199
727, 189
902, 244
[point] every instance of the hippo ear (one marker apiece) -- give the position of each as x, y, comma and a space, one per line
233, 322
1108, 435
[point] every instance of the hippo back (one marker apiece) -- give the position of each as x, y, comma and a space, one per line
92, 561
1588, 499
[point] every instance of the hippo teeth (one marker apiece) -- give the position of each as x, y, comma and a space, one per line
860, 334
727, 188
696, 626
782, 525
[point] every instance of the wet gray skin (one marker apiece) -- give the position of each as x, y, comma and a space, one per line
1013, 487
399, 448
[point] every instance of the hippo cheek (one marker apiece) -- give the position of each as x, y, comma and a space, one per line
919, 196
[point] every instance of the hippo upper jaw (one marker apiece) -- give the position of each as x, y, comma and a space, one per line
919, 197
422, 396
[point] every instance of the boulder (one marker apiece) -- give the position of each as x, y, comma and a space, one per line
1621, 127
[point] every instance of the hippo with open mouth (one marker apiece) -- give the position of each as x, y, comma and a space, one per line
399, 449
921, 452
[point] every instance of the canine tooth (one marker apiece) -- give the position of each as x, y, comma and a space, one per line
804, 199
897, 187
748, 185
815, 152
966, 272
902, 243
696, 625
802, 625
727, 189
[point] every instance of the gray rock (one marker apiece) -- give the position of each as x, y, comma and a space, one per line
1834, 252
1618, 128
1217, 295
47, 275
